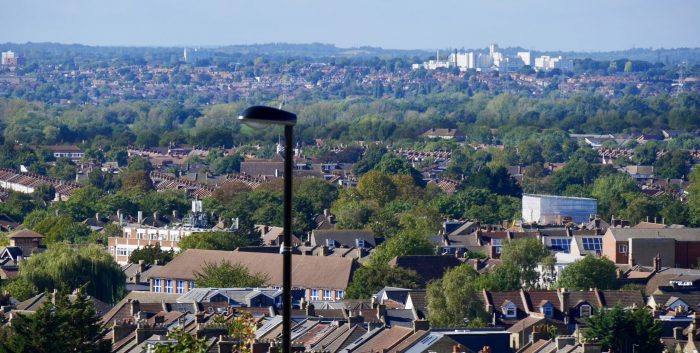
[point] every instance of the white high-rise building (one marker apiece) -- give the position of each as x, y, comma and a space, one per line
547, 63
526, 57
549, 209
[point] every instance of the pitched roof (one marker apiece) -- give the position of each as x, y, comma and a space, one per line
345, 237
429, 267
24, 233
386, 339
307, 271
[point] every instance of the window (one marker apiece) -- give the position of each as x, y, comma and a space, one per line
314, 294
360, 243
121, 251
497, 244
622, 249
168, 286
327, 294
548, 310
509, 310
193, 285
330, 243
593, 244
180, 286
562, 245
156, 285
339, 294
585, 310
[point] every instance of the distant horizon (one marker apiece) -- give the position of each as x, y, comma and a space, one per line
540, 25
216, 46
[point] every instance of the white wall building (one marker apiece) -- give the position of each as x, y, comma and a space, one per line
549, 209
547, 63
526, 57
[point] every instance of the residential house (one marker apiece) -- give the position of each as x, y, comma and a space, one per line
274, 236
679, 247
428, 267
440, 133
333, 238
321, 277
27, 182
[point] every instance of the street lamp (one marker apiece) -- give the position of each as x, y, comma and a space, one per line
260, 116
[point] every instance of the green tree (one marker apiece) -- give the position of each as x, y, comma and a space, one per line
227, 275
523, 255
609, 190
625, 331
217, 241
589, 272
368, 280
455, 299
373, 155
184, 343
65, 268
672, 165
406, 242
694, 197
59, 325
150, 254
137, 181
377, 186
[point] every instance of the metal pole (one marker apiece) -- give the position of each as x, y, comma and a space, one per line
287, 249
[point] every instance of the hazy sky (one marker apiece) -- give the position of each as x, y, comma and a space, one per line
403, 24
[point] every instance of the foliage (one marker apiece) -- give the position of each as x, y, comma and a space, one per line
65, 268
184, 343
217, 241
62, 229
406, 242
694, 197
524, 255
150, 254
368, 280
20, 288
454, 298
227, 275
60, 325
589, 272
620, 330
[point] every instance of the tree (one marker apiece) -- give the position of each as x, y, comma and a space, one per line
406, 242
524, 255
589, 272
694, 197
137, 181
217, 241
672, 165
184, 343
377, 186
609, 191
227, 275
368, 280
455, 300
369, 160
150, 254
625, 331
63, 267
60, 325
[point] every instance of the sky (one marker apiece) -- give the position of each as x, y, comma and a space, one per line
578, 25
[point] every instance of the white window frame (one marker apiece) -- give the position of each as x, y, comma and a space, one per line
156, 285
313, 295
168, 286
589, 310
339, 294
622, 248
180, 289
327, 294
508, 309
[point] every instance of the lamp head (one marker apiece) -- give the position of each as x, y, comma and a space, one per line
259, 116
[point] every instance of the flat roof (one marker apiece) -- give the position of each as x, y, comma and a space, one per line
559, 197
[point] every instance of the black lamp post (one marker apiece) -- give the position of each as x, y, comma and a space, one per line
260, 116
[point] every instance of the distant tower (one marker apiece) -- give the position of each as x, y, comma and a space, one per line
437, 55
680, 84
493, 48
185, 54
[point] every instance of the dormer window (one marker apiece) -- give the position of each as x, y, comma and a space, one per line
585, 310
509, 310
548, 310
360, 243
330, 243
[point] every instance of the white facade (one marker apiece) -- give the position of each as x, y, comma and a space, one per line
547, 63
526, 57
548, 209
7, 57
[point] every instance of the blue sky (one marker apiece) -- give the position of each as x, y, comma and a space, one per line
403, 24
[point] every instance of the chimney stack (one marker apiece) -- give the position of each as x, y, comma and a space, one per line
657, 263
134, 307
139, 218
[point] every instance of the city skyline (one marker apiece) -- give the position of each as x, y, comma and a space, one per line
546, 25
